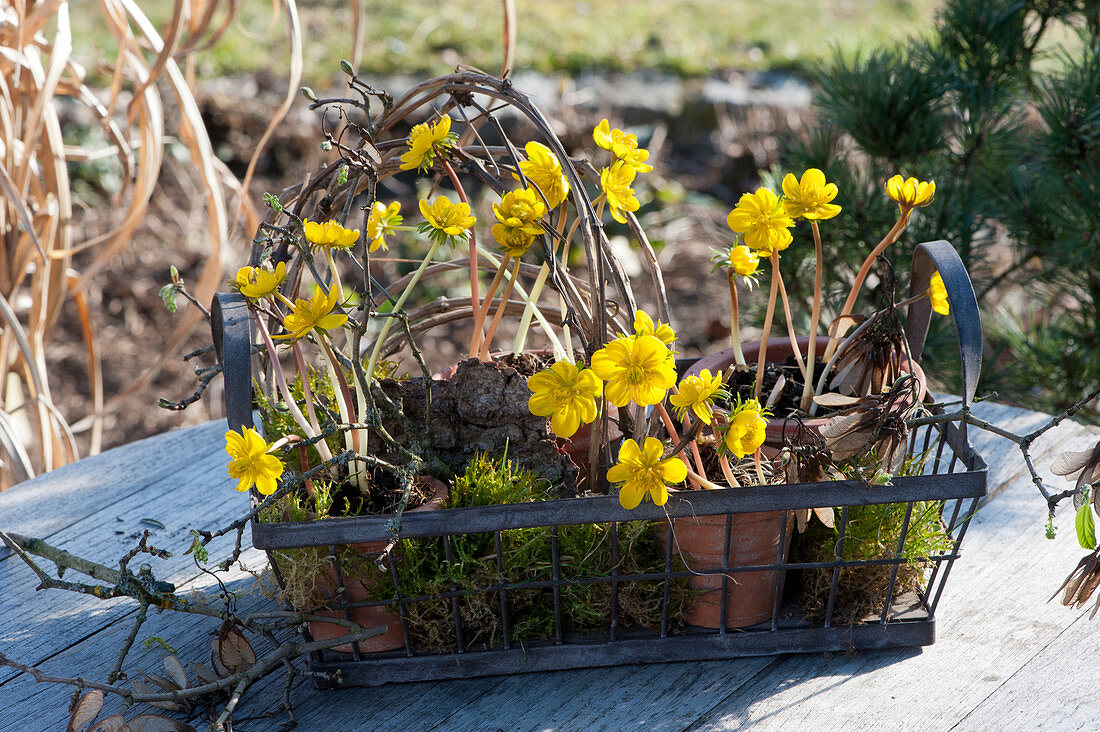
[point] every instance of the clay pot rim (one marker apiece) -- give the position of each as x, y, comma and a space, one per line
721, 360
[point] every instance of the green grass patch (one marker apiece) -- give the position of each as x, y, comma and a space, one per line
688, 38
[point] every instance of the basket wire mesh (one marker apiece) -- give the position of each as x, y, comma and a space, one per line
954, 477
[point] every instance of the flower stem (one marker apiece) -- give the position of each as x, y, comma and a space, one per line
497, 277
815, 317
307, 389
502, 307
735, 325
692, 475
768, 315
566, 335
864, 270
670, 427
372, 364
529, 310
335, 273
556, 345
791, 335
475, 336
280, 380
759, 469
353, 439
483, 310
341, 391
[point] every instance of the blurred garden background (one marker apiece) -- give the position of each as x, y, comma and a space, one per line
141, 135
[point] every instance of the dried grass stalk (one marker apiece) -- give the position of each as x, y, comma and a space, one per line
37, 236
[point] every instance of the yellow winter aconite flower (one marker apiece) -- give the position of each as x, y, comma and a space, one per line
521, 208
937, 293
637, 369
566, 394
615, 182
329, 234
425, 141
313, 313
763, 222
543, 169
446, 219
743, 260
258, 282
746, 431
514, 241
382, 222
250, 464
910, 193
622, 145
519, 213
641, 470
809, 198
697, 393
643, 325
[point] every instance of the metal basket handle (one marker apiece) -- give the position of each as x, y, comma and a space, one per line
928, 258
231, 327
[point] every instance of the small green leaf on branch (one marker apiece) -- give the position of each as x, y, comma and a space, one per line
1086, 527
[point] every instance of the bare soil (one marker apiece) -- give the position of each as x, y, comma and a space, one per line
133, 327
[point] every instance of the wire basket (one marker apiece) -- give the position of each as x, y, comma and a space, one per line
951, 478
955, 479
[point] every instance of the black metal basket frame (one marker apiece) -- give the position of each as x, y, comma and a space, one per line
957, 477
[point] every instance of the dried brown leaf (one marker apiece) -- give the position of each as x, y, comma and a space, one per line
1070, 462
215, 661
157, 723
142, 688
826, 516
166, 684
1087, 587
234, 650
175, 671
838, 426
204, 674
776, 391
846, 446
113, 723
1084, 462
85, 711
837, 401
1089, 565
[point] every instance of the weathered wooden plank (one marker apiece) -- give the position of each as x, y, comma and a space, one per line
993, 619
1003, 456
105, 536
28, 706
417, 706
44, 505
1052, 690
659, 697
1004, 562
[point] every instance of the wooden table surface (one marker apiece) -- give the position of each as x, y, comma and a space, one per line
1005, 657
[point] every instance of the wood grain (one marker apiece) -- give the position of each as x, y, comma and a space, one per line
1004, 657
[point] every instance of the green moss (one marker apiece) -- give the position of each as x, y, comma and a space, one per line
476, 570
872, 532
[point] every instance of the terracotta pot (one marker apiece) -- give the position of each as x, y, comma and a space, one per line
358, 589
754, 539
781, 430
